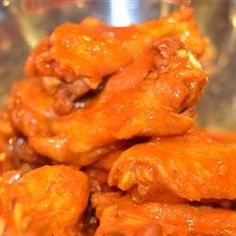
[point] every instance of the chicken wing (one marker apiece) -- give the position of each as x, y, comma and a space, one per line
47, 201
153, 96
126, 218
91, 50
193, 166
118, 103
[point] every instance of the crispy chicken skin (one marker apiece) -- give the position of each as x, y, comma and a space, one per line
153, 96
47, 201
126, 218
194, 166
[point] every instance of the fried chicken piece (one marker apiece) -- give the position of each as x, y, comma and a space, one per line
31, 112
154, 96
194, 166
78, 57
75, 52
126, 218
91, 50
47, 201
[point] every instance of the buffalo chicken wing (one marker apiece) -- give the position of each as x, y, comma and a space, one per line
194, 166
98, 138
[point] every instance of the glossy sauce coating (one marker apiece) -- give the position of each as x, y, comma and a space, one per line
48, 200
127, 218
98, 137
150, 97
194, 166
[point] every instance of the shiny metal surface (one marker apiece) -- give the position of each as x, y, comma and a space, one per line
24, 23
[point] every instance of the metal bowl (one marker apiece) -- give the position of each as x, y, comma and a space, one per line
23, 23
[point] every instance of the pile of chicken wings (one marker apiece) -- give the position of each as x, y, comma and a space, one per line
99, 137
